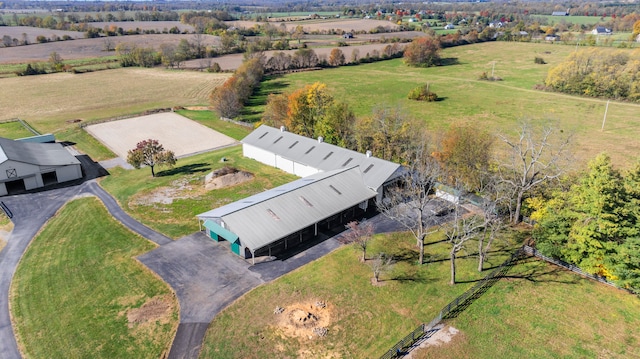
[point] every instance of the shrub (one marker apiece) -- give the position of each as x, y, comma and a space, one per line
539, 60
422, 93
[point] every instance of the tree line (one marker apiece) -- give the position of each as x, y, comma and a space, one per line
598, 73
592, 220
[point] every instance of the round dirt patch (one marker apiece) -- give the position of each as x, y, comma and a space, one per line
305, 320
157, 308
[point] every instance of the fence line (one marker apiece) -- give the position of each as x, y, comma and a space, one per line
241, 123
534, 252
28, 127
6, 210
123, 117
456, 306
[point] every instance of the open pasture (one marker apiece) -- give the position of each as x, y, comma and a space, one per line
158, 26
496, 106
176, 133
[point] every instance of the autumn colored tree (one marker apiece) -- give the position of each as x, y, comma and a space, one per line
225, 99
387, 133
306, 107
466, 152
150, 153
275, 112
423, 52
336, 57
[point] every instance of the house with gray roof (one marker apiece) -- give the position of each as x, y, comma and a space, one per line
26, 165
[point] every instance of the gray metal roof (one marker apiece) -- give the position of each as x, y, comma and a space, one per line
322, 155
41, 154
269, 216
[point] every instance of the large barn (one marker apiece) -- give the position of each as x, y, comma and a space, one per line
275, 220
26, 166
303, 156
338, 186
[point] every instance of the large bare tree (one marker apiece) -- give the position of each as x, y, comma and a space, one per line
533, 158
459, 230
412, 203
360, 234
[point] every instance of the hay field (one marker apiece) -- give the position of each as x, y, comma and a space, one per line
145, 25
319, 25
87, 48
48, 102
33, 32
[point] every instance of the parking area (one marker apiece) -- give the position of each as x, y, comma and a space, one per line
176, 133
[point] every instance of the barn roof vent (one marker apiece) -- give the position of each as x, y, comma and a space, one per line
369, 154
282, 128
320, 139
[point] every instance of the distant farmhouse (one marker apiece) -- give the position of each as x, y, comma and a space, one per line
601, 30
26, 166
560, 13
338, 185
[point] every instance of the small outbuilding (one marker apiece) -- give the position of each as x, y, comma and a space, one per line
26, 165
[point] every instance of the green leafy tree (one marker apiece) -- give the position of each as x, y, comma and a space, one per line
150, 153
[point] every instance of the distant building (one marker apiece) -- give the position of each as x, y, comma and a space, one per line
601, 30
347, 35
552, 38
449, 27
560, 13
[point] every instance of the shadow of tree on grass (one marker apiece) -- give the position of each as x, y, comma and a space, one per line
185, 170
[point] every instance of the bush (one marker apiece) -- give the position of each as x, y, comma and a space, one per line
539, 60
422, 93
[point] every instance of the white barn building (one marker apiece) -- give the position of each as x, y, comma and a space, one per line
26, 166
303, 156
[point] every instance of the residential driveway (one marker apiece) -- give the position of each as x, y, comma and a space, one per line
206, 277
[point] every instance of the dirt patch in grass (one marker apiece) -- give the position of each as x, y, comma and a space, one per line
304, 320
226, 177
158, 308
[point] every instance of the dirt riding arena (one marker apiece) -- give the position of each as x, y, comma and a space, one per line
176, 133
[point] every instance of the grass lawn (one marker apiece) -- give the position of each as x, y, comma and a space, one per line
494, 106
211, 120
365, 320
529, 315
14, 130
542, 311
80, 293
169, 202
6, 226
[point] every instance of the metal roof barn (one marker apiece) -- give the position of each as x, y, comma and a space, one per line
264, 218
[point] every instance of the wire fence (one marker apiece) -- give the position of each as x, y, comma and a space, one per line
455, 307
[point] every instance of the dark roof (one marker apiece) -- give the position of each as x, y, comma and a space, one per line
40, 154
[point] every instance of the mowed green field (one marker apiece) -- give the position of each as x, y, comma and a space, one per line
537, 312
79, 292
497, 106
